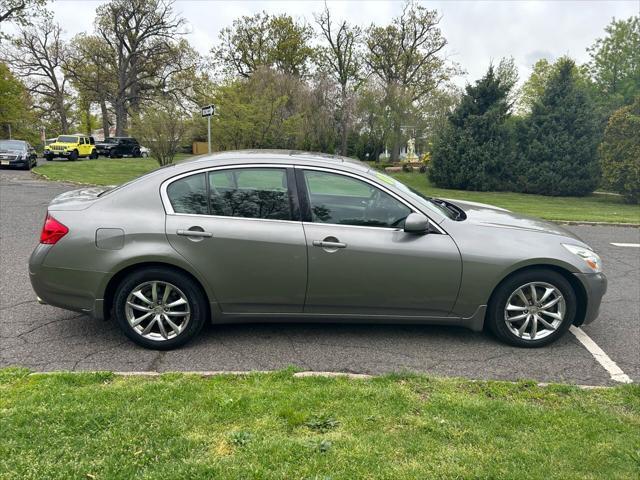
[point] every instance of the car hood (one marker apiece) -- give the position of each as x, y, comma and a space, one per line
491, 216
76, 199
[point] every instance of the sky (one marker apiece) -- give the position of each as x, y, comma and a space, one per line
477, 32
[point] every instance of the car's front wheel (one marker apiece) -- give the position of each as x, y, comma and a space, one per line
160, 308
532, 308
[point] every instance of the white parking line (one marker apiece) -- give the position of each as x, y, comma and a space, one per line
615, 372
632, 245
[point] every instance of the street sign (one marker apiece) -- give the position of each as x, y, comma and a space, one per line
208, 110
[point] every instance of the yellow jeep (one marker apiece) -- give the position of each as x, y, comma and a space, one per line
71, 147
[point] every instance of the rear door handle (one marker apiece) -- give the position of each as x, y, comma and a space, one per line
194, 233
325, 244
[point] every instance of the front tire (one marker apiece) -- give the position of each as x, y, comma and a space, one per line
532, 308
74, 156
160, 308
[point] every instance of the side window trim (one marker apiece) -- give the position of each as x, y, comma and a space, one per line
291, 190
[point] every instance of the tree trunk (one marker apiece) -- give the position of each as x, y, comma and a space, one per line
62, 114
344, 119
105, 118
395, 148
121, 117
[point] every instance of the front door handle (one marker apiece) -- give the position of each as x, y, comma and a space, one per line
194, 233
324, 244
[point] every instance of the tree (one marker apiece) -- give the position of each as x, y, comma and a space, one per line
20, 11
15, 107
341, 58
473, 152
620, 152
91, 68
263, 40
559, 139
161, 128
615, 62
37, 55
406, 58
259, 112
142, 38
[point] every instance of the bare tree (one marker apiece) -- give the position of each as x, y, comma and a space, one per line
141, 35
37, 55
342, 59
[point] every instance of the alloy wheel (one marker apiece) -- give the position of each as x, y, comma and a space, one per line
534, 310
157, 310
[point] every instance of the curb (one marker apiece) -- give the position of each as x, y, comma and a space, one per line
595, 224
305, 374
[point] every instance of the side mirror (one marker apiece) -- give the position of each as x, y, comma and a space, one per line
416, 223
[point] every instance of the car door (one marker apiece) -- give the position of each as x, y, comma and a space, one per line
360, 259
240, 228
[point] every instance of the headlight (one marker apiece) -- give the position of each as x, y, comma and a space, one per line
590, 257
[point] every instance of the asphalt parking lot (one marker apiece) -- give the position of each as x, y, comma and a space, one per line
45, 338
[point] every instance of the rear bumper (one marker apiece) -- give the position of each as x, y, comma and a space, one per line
595, 286
65, 288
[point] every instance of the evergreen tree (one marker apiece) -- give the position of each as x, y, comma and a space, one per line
558, 141
473, 151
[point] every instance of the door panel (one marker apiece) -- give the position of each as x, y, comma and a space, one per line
360, 259
240, 229
252, 266
381, 271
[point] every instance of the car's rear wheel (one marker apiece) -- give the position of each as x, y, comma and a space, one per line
160, 308
532, 308
94, 154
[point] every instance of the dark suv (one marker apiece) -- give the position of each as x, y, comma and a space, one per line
119, 147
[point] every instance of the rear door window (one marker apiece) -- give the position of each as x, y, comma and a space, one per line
250, 193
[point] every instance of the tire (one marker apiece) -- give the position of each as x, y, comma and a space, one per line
94, 154
182, 288
49, 158
112, 154
542, 280
136, 153
74, 156
144, 154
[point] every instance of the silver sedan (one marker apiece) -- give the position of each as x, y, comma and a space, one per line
280, 236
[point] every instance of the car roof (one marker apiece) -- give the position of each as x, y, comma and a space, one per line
285, 157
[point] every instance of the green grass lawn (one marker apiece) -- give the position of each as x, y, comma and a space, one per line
275, 426
598, 207
103, 171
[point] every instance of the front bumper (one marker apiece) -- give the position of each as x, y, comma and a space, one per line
57, 153
595, 286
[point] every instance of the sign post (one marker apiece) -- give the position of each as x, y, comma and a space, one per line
208, 111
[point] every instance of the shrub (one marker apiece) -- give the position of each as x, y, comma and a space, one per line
620, 152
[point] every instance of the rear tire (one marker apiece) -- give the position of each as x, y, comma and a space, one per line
94, 155
185, 295
547, 322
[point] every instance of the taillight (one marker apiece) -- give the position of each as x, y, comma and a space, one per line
52, 231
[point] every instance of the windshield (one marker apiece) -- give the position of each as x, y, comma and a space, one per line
67, 139
415, 195
12, 145
110, 140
